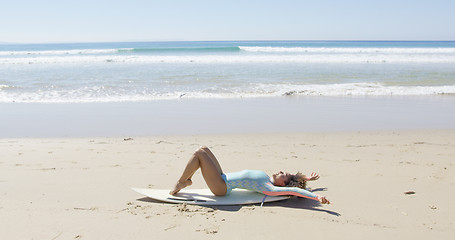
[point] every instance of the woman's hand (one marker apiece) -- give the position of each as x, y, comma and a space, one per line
314, 176
323, 200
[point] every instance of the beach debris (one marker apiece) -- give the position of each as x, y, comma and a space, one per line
86, 209
171, 227
47, 169
407, 162
409, 192
127, 139
192, 210
122, 210
289, 93
183, 208
351, 160
208, 231
58, 235
433, 207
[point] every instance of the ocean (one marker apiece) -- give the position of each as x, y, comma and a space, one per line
150, 71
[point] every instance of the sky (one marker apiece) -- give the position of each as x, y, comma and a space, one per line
54, 21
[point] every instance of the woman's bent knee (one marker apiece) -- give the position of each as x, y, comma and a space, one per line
200, 152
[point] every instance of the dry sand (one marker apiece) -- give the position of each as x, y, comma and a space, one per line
79, 188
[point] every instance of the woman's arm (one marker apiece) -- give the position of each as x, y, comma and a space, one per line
314, 176
294, 191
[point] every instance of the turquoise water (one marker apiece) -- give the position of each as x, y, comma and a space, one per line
150, 71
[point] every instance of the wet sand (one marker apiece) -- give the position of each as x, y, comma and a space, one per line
227, 116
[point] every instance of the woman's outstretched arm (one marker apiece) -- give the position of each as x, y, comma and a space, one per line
294, 191
314, 176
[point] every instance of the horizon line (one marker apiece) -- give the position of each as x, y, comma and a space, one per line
180, 40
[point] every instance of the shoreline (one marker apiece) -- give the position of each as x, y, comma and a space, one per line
223, 116
231, 135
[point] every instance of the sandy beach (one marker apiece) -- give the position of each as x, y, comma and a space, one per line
98, 100
79, 188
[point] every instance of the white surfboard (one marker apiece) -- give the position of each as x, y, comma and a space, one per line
206, 197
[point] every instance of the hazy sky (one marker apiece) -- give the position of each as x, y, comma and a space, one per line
37, 21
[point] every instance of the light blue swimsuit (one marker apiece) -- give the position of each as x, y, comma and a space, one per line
259, 181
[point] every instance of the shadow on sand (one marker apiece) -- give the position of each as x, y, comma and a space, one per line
294, 202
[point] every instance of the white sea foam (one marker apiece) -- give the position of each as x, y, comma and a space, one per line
101, 94
208, 59
349, 50
331, 50
358, 89
62, 52
270, 54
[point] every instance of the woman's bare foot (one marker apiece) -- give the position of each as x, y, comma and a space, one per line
180, 185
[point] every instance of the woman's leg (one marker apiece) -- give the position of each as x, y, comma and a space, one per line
214, 160
211, 171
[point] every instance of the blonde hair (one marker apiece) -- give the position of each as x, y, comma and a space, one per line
297, 180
